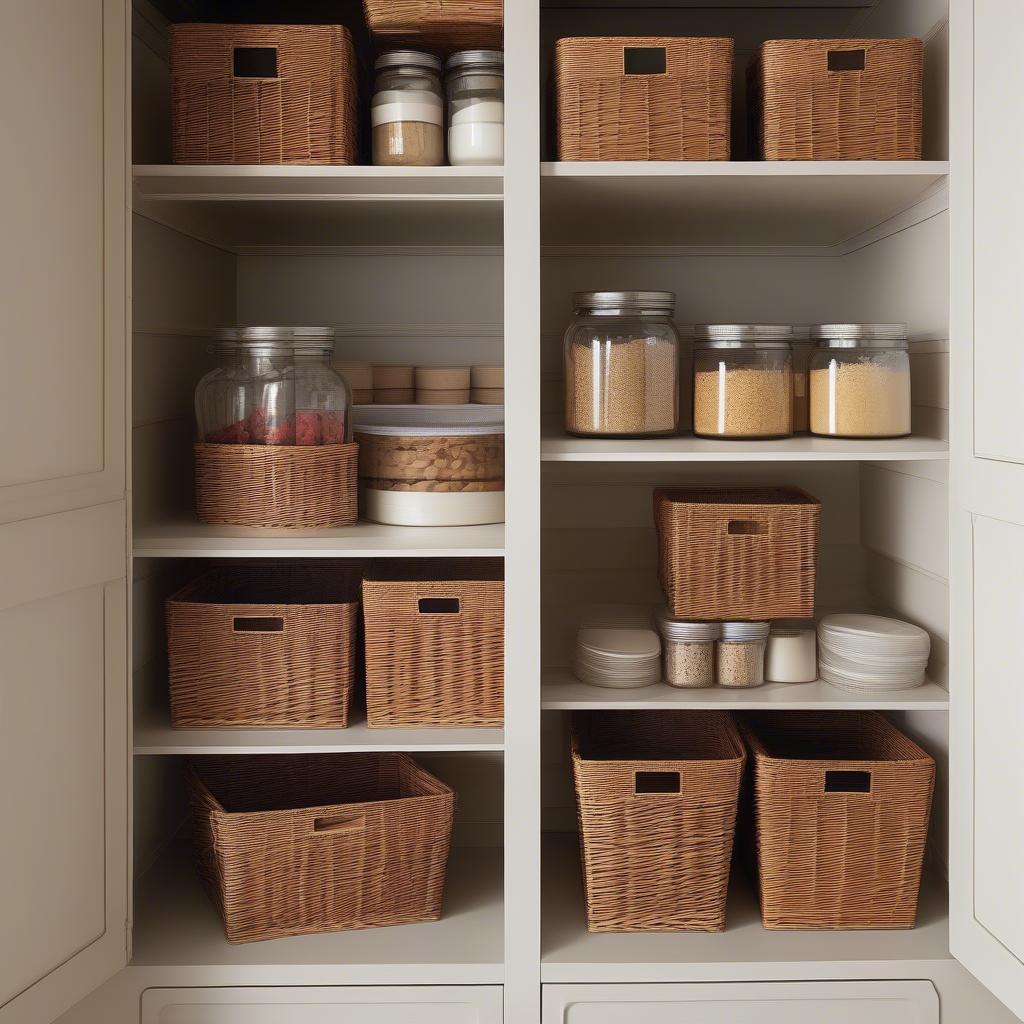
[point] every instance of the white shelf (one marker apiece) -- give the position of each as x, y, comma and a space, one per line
743, 203
177, 926
186, 538
561, 691
744, 951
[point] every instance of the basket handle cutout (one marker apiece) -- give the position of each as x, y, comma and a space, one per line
847, 782
846, 60
657, 782
338, 823
259, 624
746, 528
643, 60
255, 62
439, 606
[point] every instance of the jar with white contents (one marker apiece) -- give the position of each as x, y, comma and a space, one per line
475, 80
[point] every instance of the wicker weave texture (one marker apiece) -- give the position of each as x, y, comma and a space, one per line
737, 553
802, 110
289, 845
606, 114
305, 115
264, 646
830, 857
656, 861
442, 24
382, 457
286, 486
430, 664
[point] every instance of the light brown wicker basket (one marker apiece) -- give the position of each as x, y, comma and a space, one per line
435, 642
842, 801
737, 552
289, 845
837, 99
643, 98
656, 795
263, 94
267, 645
440, 24
288, 486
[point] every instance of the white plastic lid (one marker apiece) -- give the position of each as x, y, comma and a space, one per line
429, 421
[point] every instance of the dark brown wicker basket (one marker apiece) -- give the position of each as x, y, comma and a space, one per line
737, 553
842, 801
656, 795
289, 845
288, 486
643, 98
435, 642
439, 24
263, 94
272, 645
837, 99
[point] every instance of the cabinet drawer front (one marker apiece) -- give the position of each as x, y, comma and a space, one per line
800, 1002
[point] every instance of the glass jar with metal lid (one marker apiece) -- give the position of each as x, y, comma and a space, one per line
621, 365
743, 381
221, 396
407, 110
860, 380
323, 399
475, 81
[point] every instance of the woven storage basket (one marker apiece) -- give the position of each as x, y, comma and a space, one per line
643, 98
737, 553
656, 795
264, 646
435, 642
290, 486
837, 99
263, 94
841, 809
442, 24
288, 845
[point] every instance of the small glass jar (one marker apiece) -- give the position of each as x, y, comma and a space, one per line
475, 81
407, 110
689, 652
860, 381
742, 381
741, 654
621, 365
323, 399
221, 396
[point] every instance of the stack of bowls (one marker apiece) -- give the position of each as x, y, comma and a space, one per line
871, 652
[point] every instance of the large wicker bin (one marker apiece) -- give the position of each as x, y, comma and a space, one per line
643, 98
264, 646
837, 99
656, 795
435, 642
263, 94
289, 845
842, 801
743, 553
438, 24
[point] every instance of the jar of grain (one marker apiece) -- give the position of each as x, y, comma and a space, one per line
860, 381
741, 654
407, 110
742, 381
689, 651
621, 361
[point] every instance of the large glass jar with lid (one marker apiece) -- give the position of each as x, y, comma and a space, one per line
323, 400
621, 365
221, 396
407, 110
475, 81
742, 381
860, 380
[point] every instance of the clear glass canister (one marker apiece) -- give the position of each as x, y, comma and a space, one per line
323, 400
221, 395
860, 380
742, 381
741, 654
621, 365
689, 652
475, 81
407, 110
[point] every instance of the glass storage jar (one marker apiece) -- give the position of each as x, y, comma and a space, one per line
860, 381
220, 396
742, 381
407, 110
323, 400
741, 654
689, 651
621, 365
475, 81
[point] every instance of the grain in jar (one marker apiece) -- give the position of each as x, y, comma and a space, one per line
407, 110
689, 651
741, 654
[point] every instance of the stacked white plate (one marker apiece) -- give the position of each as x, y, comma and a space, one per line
871, 652
616, 648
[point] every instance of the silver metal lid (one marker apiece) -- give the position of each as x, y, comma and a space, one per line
407, 58
475, 59
662, 302
743, 335
303, 339
860, 335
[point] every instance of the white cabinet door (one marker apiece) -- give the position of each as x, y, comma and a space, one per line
63, 546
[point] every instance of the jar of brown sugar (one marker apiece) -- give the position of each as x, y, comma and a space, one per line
407, 110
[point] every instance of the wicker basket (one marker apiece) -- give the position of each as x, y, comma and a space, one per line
435, 643
656, 794
643, 98
263, 94
289, 845
439, 24
264, 646
737, 553
837, 99
289, 486
841, 808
